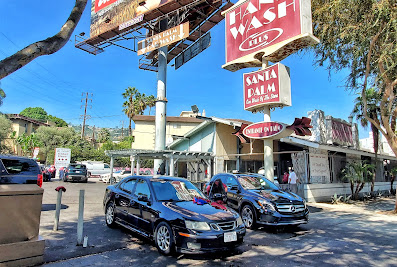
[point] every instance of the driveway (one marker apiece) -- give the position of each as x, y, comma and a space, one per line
342, 235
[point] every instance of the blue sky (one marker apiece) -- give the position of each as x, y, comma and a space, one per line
56, 82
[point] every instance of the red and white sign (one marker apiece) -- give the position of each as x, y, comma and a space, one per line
261, 130
268, 87
62, 157
99, 4
266, 26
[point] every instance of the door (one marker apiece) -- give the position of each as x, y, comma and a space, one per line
143, 207
233, 191
123, 200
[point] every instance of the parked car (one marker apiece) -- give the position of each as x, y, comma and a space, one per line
19, 170
174, 213
76, 172
258, 200
117, 175
96, 168
46, 174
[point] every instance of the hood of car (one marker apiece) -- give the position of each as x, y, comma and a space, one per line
276, 196
206, 212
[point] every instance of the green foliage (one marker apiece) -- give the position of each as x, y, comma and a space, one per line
2, 96
103, 135
28, 143
5, 131
58, 121
360, 36
357, 174
36, 113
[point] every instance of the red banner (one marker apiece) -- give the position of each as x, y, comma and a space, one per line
99, 4
263, 130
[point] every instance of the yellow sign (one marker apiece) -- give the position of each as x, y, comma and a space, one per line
164, 38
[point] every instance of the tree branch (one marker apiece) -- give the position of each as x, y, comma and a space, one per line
43, 47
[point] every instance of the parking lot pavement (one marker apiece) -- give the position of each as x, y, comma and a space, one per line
341, 235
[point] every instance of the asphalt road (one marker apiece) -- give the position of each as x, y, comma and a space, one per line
341, 235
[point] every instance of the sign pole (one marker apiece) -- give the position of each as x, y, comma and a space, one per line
161, 102
268, 161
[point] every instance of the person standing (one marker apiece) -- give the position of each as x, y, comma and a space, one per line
285, 177
292, 181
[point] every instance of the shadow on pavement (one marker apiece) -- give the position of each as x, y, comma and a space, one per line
48, 207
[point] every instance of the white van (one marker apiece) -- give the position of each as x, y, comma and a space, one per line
96, 168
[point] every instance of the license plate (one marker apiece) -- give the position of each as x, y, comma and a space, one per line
78, 171
230, 237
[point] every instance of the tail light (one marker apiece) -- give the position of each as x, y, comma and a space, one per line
39, 179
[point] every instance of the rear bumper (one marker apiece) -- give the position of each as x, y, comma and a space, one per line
76, 178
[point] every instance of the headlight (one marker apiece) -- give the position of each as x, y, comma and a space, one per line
266, 205
200, 226
239, 221
304, 203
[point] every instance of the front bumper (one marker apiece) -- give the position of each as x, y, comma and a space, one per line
276, 218
205, 242
76, 177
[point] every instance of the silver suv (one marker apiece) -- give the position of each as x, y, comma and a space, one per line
19, 170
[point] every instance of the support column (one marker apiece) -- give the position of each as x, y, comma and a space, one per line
172, 166
138, 166
268, 161
161, 102
111, 169
132, 164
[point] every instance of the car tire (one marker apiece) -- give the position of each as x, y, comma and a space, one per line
88, 174
247, 213
109, 215
164, 239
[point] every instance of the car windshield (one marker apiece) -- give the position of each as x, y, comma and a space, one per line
175, 190
256, 183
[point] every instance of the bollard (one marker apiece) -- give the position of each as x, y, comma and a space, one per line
60, 189
80, 219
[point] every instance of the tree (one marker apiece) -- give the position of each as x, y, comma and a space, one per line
28, 143
36, 113
357, 173
129, 105
151, 102
43, 47
5, 131
58, 121
360, 35
2, 96
103, 135
373, 111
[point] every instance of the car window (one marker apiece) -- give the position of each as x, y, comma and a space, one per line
106, 166
175, 190
229, 181
128, 186
78, 166
256, 182
142, 189
14, 166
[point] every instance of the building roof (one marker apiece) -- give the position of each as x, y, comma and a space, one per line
20, 117
169, 119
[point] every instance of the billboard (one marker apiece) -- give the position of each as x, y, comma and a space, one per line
193, 50
107, 15
164, 38
62, 157
272, 28
267, 87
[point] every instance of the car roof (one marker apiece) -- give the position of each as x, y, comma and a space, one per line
155, 178
14, 157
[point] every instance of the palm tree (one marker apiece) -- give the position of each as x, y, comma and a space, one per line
357, 173
128, 105
151, 102
373, 111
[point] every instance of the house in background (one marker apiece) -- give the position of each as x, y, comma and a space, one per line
22, 125
176, 127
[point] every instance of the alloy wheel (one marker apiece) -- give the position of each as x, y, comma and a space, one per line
163, 238
247, 216
110, 215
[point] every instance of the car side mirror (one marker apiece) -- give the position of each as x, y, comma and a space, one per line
143, 198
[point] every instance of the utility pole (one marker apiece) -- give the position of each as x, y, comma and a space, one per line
122, 129
85, 116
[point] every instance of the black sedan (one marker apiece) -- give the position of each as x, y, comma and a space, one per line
259, 201
174, 213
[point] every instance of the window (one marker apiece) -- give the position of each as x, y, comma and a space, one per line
142, 189
106, 166
26, 128
16, 166
229, 181
128, 186
177, 126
